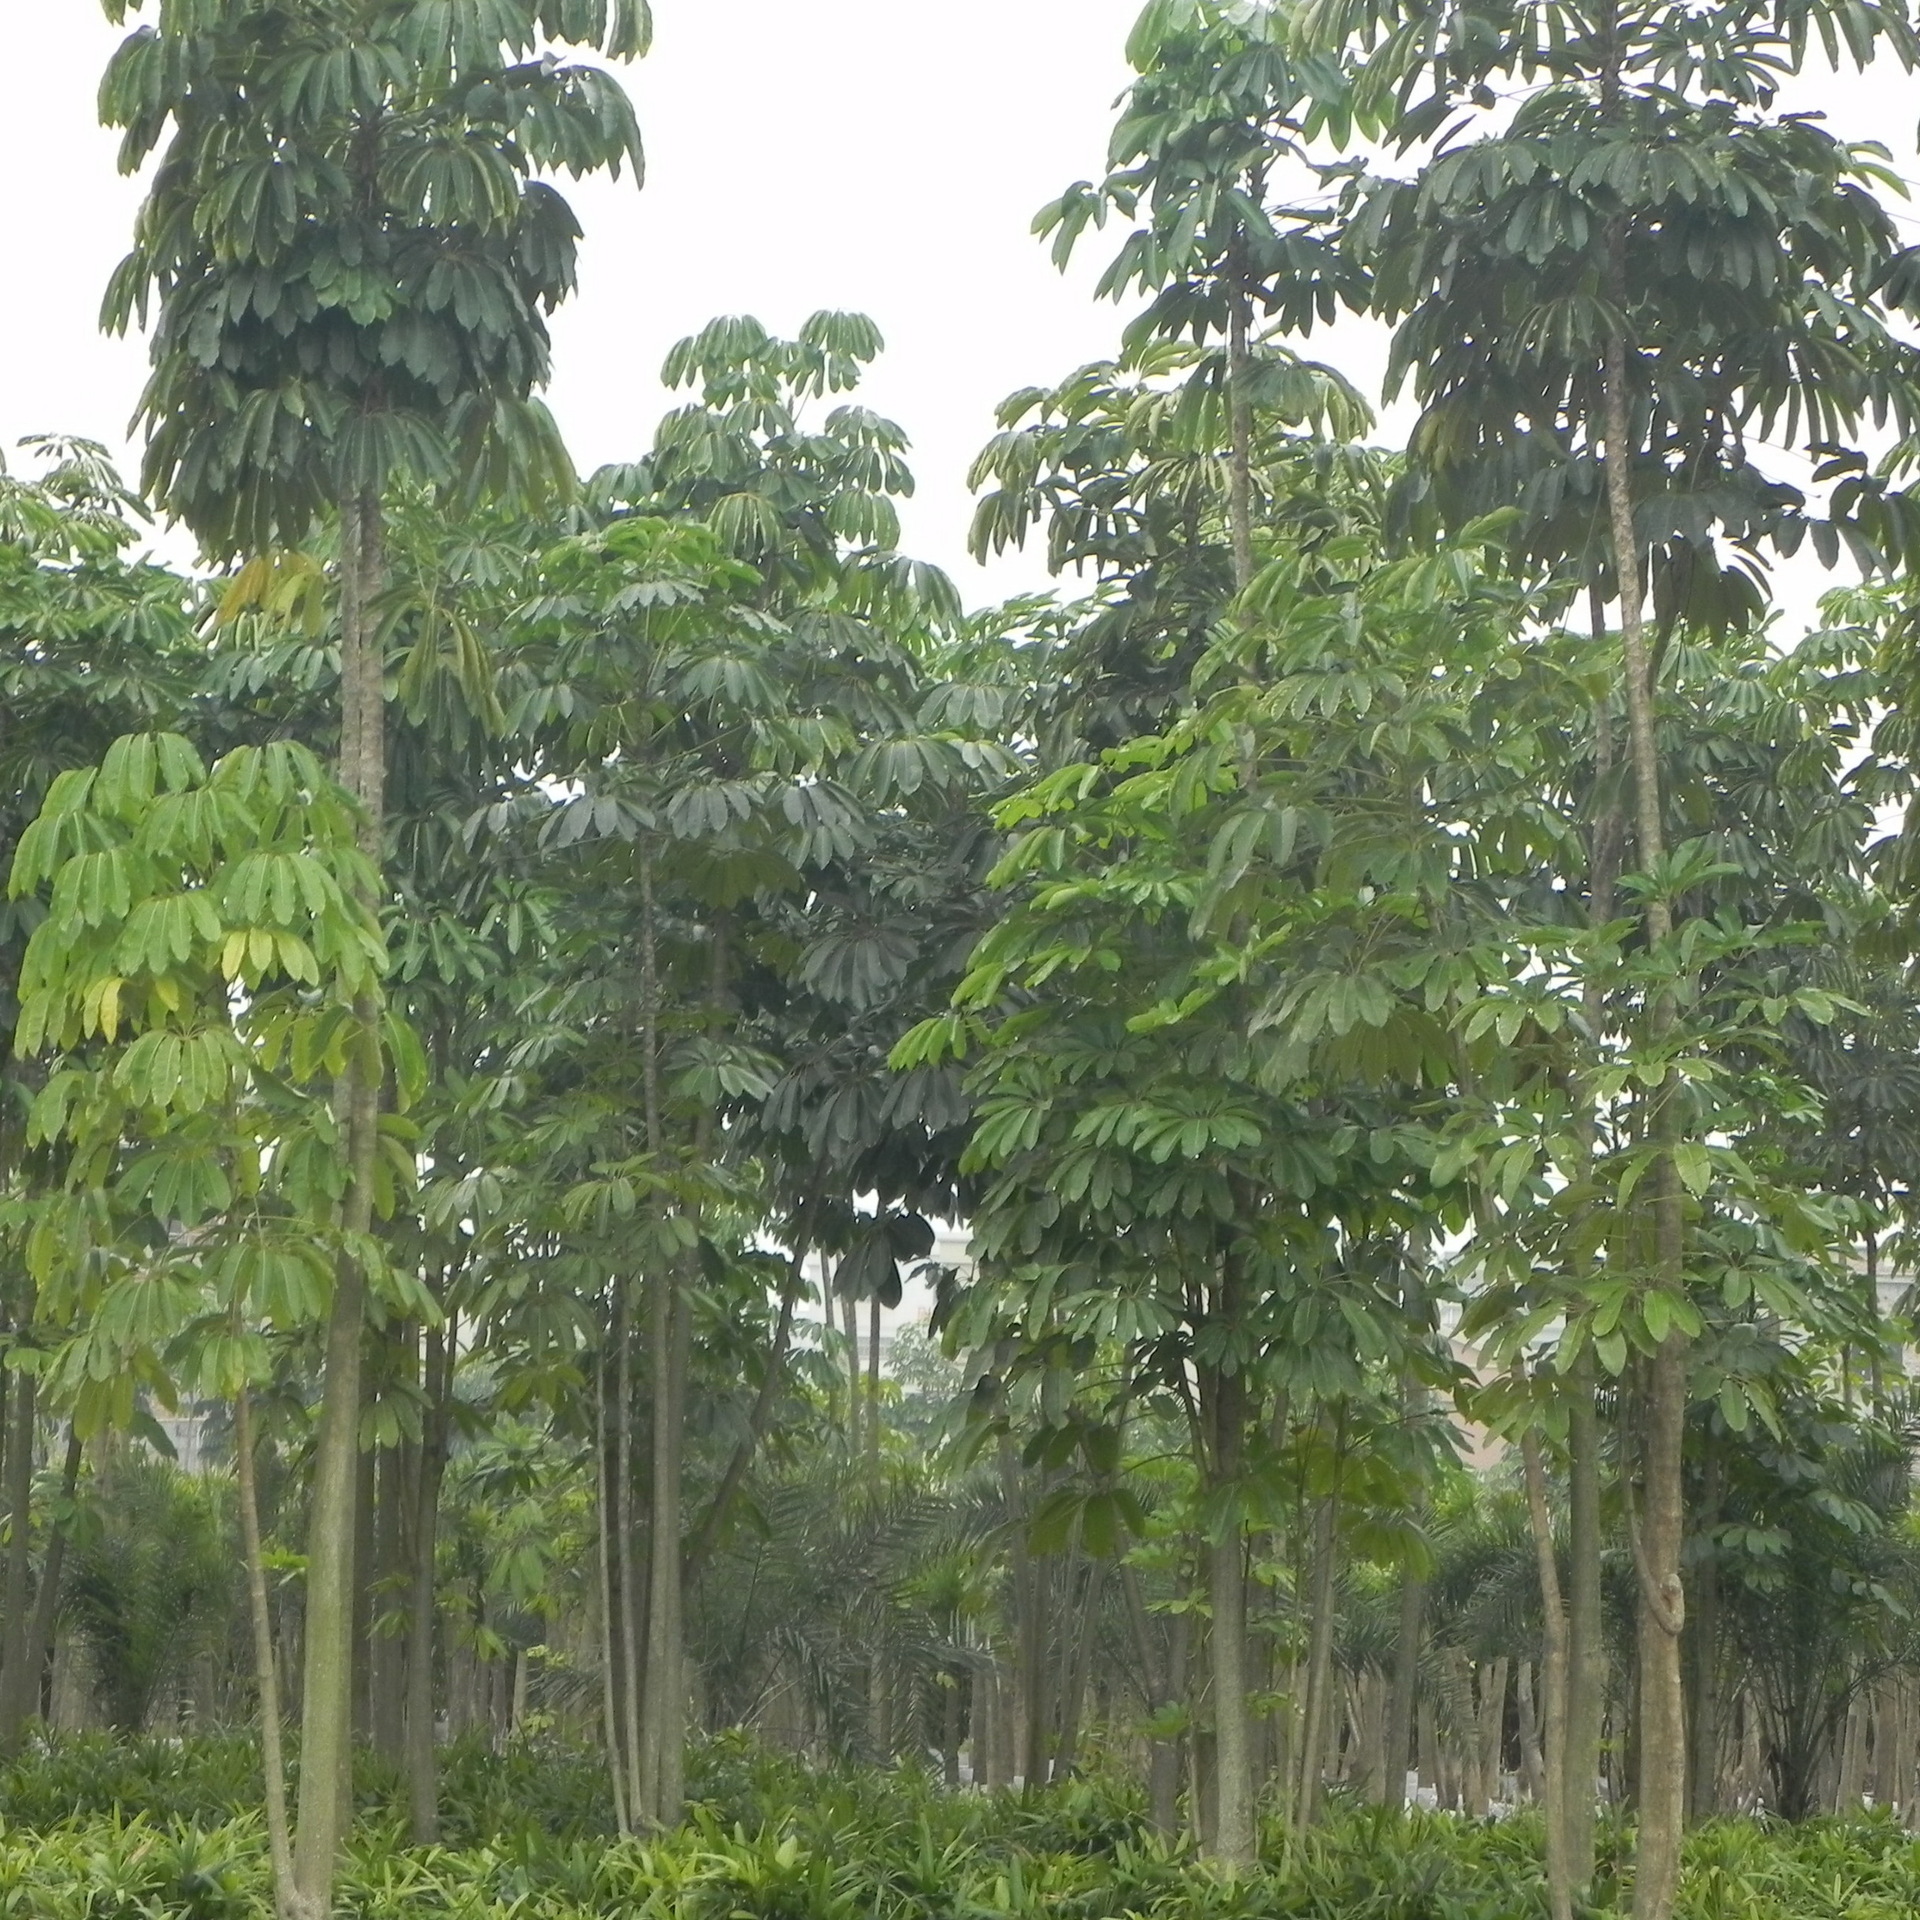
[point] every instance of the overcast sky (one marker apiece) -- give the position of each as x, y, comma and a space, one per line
880, 155
884, 155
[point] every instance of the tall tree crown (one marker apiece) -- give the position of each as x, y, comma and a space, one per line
348, 242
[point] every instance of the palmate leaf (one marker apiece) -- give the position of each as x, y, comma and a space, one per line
859, 966
279, 323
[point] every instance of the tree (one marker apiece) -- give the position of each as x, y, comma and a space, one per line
97, 644
216, 918
721, 679
1603, 302
1120, 466
1221, 106
352, 262
1213, 1028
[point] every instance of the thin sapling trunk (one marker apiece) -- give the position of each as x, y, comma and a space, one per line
273, 1765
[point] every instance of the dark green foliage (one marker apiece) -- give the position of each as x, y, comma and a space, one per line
150, 1584
350, 254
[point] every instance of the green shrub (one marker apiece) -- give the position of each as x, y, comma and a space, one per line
97, 1829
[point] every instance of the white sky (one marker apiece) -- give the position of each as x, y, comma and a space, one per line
880, 155
883, 155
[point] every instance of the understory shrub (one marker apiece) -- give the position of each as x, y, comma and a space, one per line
98, 1829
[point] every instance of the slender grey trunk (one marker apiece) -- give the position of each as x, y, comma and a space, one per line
1660, 1534
1319, 1661
1240, 421
606, 1525
1703, 1648
873, 1389
1404, 1685
422, 1759
326, 1732
663, 1550
1234, 1842
1031, 1662
1553, 1681
46, 1601
19, 1668
672, 1721
273, 1765
850, 1334
1586, 1628
662, 1708
626, 1528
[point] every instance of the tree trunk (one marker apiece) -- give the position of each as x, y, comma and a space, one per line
1850, 1777
950, 1678
1490, 1733
1878, 1353
879, 1702
1702, 1647
611, 1673
1030, 1675
1370, 1767
873, 1389
1234, 1841
1660, 1742
46, 1601
1661, 1535
1405, 1684
1586, 1698
1306, 1799
19, 1664
1553, 1681
397, 1482
672, 1719
1240, 421
422, 1759
367, 1570
850, 1334
273, 1765
326, 1756
1533, 1759
627, 1531
659, 1790
1203, 1772
663, 1539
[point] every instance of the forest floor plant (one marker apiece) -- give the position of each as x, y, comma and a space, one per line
95, 1829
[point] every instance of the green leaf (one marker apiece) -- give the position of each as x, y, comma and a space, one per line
1694, 1166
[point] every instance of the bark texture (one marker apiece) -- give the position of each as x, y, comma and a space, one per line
273, 1766
326, 1728
1234, 1839
422, 1759
19, 1668
1660, 1535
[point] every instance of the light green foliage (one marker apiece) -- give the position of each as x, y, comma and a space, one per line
103, 1823
96, 644
197, 971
